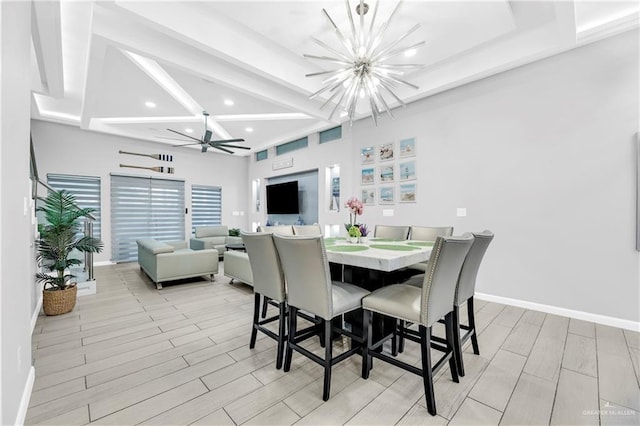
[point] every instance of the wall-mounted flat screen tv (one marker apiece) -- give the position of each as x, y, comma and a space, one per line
282, 198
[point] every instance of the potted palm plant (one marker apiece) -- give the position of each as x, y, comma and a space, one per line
59, 237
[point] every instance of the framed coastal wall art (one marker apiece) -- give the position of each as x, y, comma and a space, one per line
407, 170
368, 196
386, 152
367, 155
407, 193
367, 176
407, 147
386, 173
387, 195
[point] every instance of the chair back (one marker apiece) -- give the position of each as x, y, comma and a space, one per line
306, 269
391, 232
277, 229
268, 278
429, 233
313, 230
441, 277
467, 281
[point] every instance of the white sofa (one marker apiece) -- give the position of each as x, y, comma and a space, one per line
213, 237
237, 266
173, 260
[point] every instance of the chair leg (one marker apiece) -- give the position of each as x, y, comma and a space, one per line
256, 315
265, 306
397, 329
293, 316
457, 345
403, 324
282, 329
367, 337
427, 372
453, 364
472, 326
327, 360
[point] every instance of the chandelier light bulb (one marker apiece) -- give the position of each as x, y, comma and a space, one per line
366, 70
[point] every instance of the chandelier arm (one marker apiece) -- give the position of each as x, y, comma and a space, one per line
343, 40
374, 111
331, 49
395, 80
332, 97
315, 74
331, 88
335, 108
400, 66
327, 58
339, 75
370, 34
399, 50
400, 101
378, 97
384, 27
352, 24
373, 101
352, 98
395, 43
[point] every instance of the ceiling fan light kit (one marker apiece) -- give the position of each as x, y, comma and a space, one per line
363, 67
206, 142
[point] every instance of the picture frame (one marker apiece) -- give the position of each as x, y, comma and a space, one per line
367, 176
386, 151
386, 173
334, 204
407, 147
368, 196
408, 193
386, 195
407, 170
367, 155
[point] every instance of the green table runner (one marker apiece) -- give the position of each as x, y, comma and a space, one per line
347, 248
384, 240
421, 243
393, 247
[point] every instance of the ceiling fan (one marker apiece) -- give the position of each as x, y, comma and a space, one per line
205, 142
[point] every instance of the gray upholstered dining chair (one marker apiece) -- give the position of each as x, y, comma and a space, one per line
465, 290
423, 305
391, 232
309, 288
268, 282
428, 233
307, 230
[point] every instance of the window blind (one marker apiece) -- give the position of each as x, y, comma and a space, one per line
143, 207
86, 189
206, 206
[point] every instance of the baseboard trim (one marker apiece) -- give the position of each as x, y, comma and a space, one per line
26, 397
104, 263
36, 312
549, 309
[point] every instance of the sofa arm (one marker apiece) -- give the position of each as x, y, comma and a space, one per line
178, 245
197, 244
233, 240
237, 266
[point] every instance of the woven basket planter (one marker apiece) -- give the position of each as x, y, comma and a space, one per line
57, 302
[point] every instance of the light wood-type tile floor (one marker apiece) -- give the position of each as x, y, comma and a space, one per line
132, 354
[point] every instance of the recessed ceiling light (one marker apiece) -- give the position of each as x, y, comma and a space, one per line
150, 104
228, 102
249, 129
188, 130
410, 53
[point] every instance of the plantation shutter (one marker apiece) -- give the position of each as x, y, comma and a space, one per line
86, 189
206, 206
143, 207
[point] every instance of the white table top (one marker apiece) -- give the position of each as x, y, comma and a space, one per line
378, 258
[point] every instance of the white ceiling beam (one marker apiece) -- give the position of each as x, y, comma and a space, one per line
566, 22
92, 85
46, 33
132, 36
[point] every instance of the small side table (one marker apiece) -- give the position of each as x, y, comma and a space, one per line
239, 247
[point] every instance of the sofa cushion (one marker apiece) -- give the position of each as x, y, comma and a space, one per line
154, 246
212, 231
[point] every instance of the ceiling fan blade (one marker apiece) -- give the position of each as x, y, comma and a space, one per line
186, 136
207, 136
204, 148
222, 149
227, 140
190, 143
224, 145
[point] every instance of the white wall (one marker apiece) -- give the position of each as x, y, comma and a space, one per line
16, 250
543, 156
70, 150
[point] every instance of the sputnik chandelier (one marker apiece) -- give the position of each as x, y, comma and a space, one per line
363, 64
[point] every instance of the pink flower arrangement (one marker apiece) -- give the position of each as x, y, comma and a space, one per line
356, 208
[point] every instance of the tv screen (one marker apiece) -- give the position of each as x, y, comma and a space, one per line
282, 198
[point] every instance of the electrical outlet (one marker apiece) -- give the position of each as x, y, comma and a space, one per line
461, 211
387, 212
